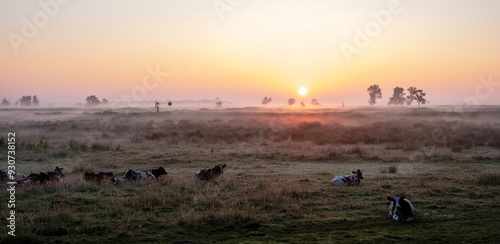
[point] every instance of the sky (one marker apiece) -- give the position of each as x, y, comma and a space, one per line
242, 50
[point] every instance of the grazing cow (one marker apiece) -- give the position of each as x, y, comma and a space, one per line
138, 175
4, 175
401, 209
109, 176
158, 172
210, 174
348, 180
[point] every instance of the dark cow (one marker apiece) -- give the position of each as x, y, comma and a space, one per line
401, 209
138, 175
41, 178
348, 180
92, 177
210, 174
158, 172
109, 176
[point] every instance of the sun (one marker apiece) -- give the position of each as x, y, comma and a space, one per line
302, 91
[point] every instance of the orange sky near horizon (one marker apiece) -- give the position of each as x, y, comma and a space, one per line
261, 48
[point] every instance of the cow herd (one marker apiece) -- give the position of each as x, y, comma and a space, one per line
400, 209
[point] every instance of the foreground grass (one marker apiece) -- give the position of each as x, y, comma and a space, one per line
244, 207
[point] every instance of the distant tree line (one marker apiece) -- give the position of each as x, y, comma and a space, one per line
398, 97
93, 101
23, 101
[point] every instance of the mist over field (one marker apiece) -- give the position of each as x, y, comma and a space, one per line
276, 186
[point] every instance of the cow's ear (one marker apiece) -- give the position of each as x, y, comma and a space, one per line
402, 197
390, 199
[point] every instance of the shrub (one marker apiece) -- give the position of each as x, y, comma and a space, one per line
489, 179
393, 169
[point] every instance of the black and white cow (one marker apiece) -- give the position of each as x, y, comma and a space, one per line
401, 209
138, 175
158, 172
4, 175
348, 180
210, 174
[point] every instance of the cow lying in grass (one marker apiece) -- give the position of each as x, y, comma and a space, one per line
138, 175
4, 175
158, 172
109, 176
210, 174
401, 209
348, 180
44, 177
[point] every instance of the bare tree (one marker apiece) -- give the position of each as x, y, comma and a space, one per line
291, 101
92, 101
398, 98
375, 93
415, 95
5, 102
266, 100
315, 102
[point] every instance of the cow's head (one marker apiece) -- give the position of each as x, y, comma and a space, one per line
220, 167
161, 171
397, 200
58, 171
360, 175
129, 174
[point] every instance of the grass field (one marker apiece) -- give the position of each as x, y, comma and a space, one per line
275, 188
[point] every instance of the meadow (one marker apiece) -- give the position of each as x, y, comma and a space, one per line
275, 188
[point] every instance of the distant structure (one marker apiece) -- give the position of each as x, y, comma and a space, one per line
218, 102
342, 104
157, 106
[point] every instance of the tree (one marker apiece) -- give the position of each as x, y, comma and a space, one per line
218, 102
105, 101
415, 95
302, 104
315, 102
36, 102
266, 100
291, 101
25, 101
375, 93
92, 101
5, 102
398, 98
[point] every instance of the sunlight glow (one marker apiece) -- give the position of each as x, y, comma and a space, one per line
302, 91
